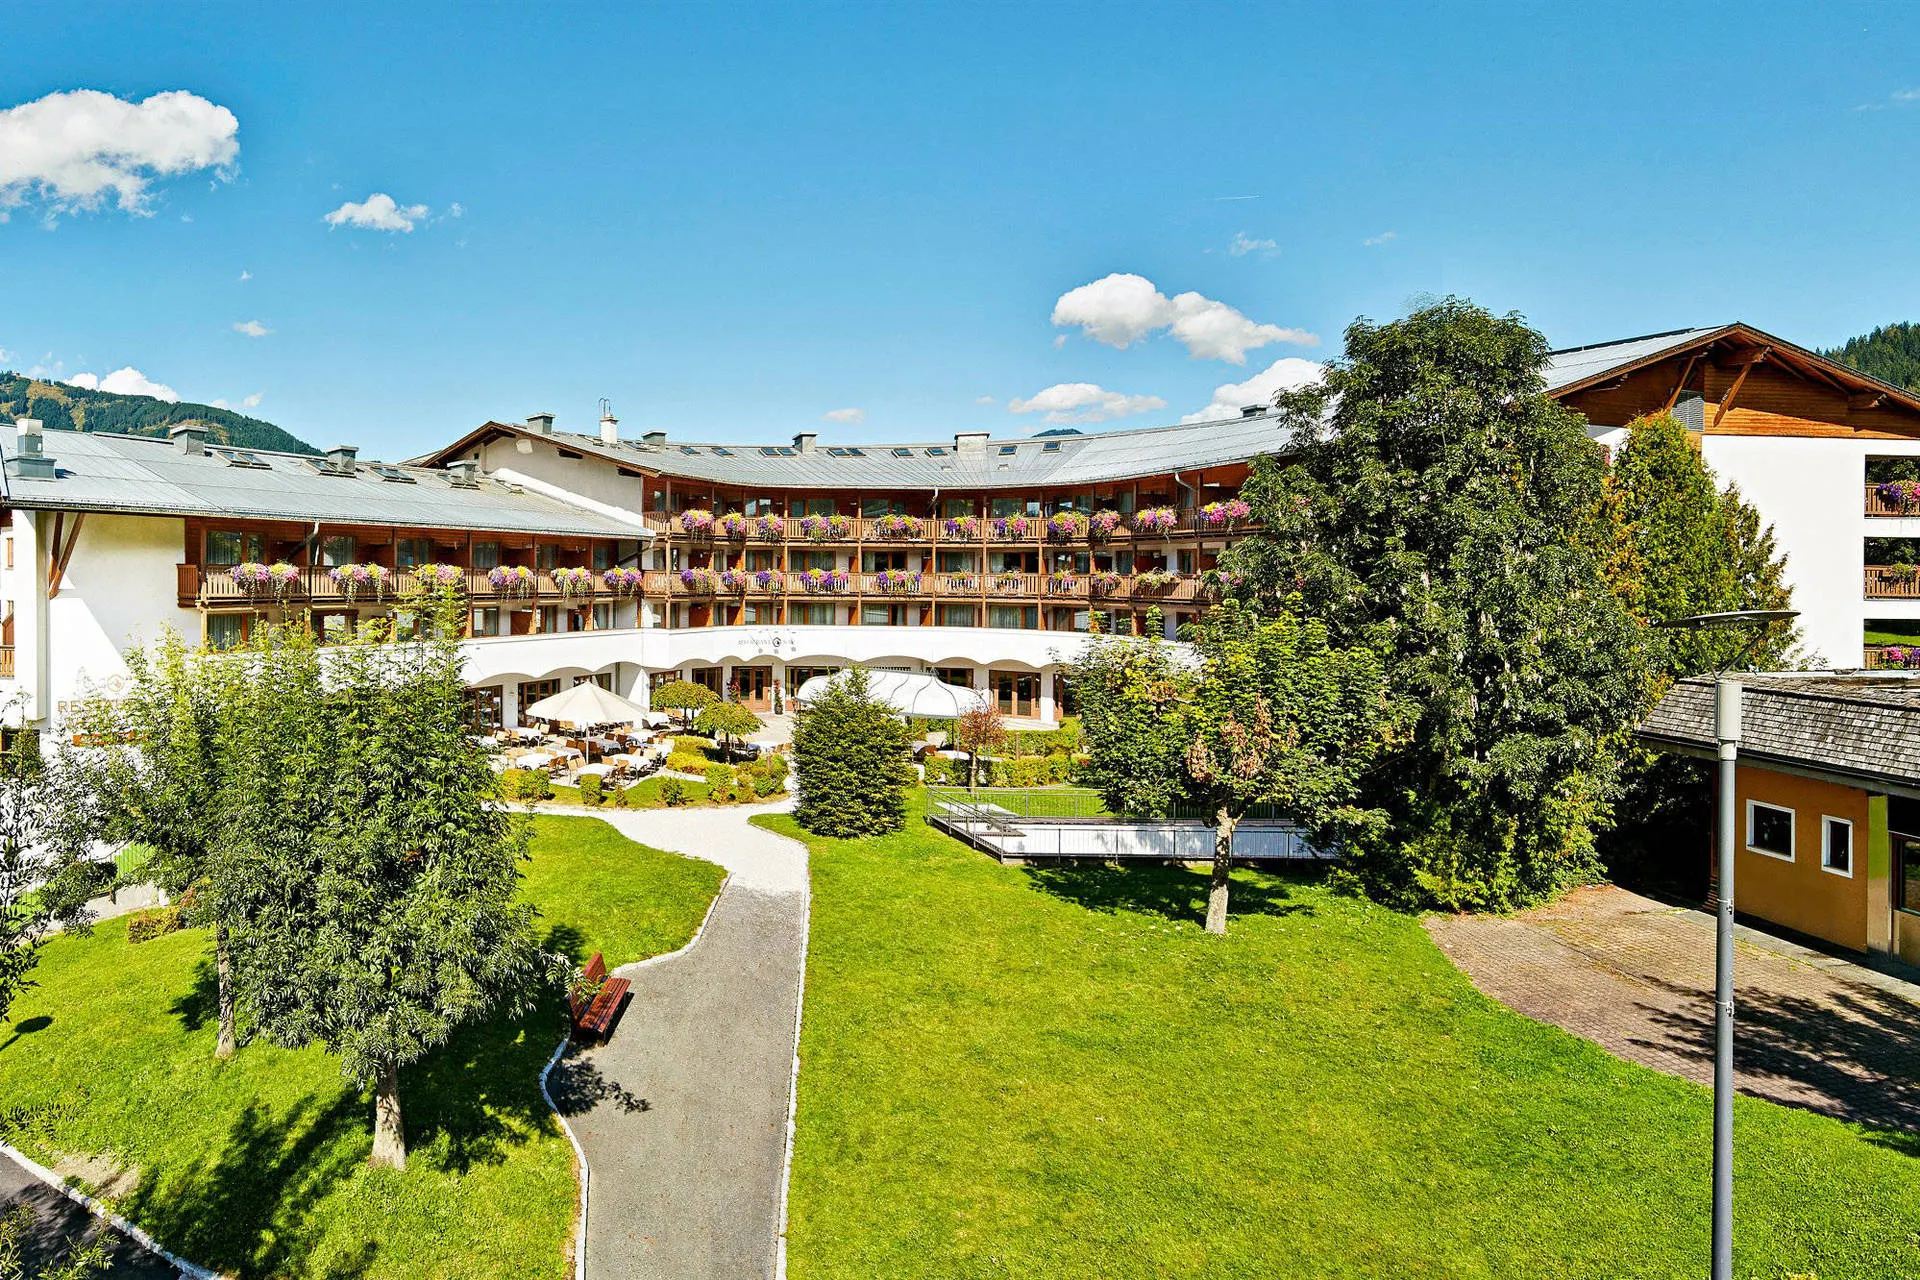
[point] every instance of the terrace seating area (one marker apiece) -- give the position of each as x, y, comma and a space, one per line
620, 754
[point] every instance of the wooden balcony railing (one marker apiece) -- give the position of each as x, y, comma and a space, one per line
1891, 502
1892, 582
6, 662
1891, 657
215, 585
906, 585
932, 530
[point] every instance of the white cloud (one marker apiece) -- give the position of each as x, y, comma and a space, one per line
1083, 402
1121, 309
1244, 244
245, 274
985, 400
844, 415
250, 402
1288, 372
127, 381
378, 212
77, 149
1382, 238
252, 328
456, 210
5, 354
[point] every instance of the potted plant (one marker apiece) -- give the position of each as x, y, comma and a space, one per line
1067, 526
768, 528
769, 579
1225, 513
896, 580
732, 525
442, 576
511, 579
1011, 527
1104, 523
573, 582
818, 580
277, 579
819, 528
353, 579
895, 525
1155, 520
1063, 582
699, 579
734, 579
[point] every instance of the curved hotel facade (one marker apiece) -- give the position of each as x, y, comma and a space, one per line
749, 567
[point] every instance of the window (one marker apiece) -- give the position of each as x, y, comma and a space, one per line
486, 622
603, 617
760, 558
958, 677
408, 552
395, 475
811, 615
1015, 693
755, 612
1770, 829
603, 555
951, 508
936, 452
902, 453
959, 615
1007, 450
1836, 846
1014, 617
487, 706
814, 507
1003, 508
486, 555
875, 561
338, 549
531, 691
227, 546
226, 630
883, 615
874, 508
241, 458
1051, 446
957, 562
549, 557
550, 618
801, 561
722, 452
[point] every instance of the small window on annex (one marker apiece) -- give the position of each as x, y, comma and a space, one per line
874, 508
814, 506
230, 546
1770, 829
486, 555
952, 508
959, 615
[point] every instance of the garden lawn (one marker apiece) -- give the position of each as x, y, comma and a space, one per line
1056, 1072
258, 1166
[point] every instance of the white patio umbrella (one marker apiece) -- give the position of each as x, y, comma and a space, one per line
905, 692
586, 706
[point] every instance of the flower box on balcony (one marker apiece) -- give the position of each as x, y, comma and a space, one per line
767, 528
731, 525
896, 581
769, 580
1067, 526
1224, 514
700, 580
1011, 527
898, 526
623, 582
735, 580
355, 580
697, 521
1104, 524
511, 579
278, 579
961, 528
824, 581
1008, 583
825, 528
1155, 520
1154, 580
440, 577
573, 582
1105, 584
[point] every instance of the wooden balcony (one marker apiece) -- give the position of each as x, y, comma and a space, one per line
214, 585
1891, 657
1885, 582
932, 531
1890, 503
6, 662
906, 585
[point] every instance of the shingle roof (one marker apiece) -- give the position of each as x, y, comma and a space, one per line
1017, 462
1861, 726
1574, 364
142, 474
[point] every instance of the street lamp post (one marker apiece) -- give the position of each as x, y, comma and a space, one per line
1727, 698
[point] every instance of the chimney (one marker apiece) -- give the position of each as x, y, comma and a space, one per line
541, 422
609, 428
464, 472
970, 441
341, 458
32, 463
654, 438
1252, 410
803, 440
190, 438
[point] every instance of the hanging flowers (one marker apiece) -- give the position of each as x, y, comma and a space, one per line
1008, 583
277, 579
697, 521
768, 528
769, 579
440, 576
1904, 494
818, 528
622, 582
1067, 526
1012, 527
1155, 580
896, 580
961, 528
1104, 523
355, 579
893, 525
1105, 584
573, 582
824, 580
511, 579
1062, 582
1154, 520
1225, 513
704, 580
732, 525
734, 579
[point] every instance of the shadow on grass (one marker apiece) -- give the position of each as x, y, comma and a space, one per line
27, 1028
565, 940
479, 1094
1174, 893
201, 1003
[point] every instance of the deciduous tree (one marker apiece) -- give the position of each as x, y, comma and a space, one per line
43, 880
683, 696
979, 731
725, 721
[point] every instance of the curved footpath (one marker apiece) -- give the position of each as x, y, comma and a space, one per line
685, 1113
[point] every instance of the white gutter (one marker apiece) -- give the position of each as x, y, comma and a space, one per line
554, 491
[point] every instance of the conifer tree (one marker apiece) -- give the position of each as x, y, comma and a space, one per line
850, 762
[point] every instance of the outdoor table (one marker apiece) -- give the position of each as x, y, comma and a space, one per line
535, 759
564, 753
529, 735
597, 770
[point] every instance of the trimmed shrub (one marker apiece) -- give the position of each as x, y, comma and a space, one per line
673, 792
525, 784
142, 925
849, 757
589, 789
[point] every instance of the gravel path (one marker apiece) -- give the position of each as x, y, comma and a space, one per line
684, 1114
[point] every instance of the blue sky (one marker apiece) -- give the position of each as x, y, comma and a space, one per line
732, 221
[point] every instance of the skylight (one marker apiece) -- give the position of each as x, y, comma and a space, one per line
937, 451
903, 453
856, 453
837, 453
1007, 449
768, 451
241, 458
1051, 446
394, 474
725, 453
689, 450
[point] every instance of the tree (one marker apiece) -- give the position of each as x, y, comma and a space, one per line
979, 731
1275, 715
1684, 546
42, 880
1130, 692
156, 775
1440, 509
850, 762
390, 920
1890, 353
725, 721
683, 696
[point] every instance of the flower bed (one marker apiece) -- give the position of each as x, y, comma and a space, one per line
1155, 520
355, 580
899, 526
277, 579
961, 528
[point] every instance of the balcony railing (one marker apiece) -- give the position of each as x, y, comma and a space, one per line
1892, 582
1891, 657
898, 584
1890, 501
932, 530
215, 585
6, 662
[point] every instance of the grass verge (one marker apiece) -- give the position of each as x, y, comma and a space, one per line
258, 1166
1024, 1072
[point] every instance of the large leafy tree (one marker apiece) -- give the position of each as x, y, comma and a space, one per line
1440, 509
389, 919
683, 696
1274, 715
1684, 546
850, 761
44, 880
154, 772
725, 721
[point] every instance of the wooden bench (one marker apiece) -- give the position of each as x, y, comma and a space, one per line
596, 999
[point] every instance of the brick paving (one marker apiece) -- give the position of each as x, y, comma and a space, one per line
1635, 976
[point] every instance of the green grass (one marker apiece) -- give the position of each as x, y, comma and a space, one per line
1876, 636
258, 1166
1055, 1072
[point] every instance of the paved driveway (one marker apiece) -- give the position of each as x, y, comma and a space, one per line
1636, 977
684, 1113
59, 1220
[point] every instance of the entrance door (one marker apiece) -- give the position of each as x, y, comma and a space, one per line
1015, 693
755, 686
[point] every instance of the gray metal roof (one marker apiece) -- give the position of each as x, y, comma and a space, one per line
1575, 364
1019, 462
145, 475
1862, 726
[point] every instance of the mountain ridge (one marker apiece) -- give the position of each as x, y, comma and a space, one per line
67, 408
